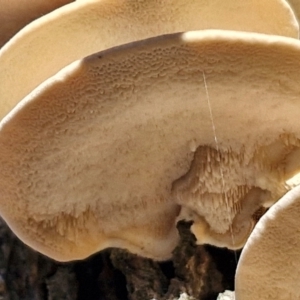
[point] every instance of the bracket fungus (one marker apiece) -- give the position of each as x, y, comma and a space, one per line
269, 267
81, 28
89, 157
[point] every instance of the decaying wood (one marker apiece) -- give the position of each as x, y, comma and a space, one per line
115, 274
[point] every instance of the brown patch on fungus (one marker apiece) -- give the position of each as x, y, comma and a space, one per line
15, 14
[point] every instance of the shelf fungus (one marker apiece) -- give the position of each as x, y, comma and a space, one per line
114, 148
269, 267
81, 28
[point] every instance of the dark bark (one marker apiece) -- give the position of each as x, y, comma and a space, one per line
114, 274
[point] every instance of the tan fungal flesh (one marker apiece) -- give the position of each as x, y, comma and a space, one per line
232, 180
81, 28
15, 14
88, 159
269, 267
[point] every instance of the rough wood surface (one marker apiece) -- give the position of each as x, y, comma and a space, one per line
114, 274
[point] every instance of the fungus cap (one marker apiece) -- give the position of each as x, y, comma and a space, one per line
84, 27
269, 266
89, 157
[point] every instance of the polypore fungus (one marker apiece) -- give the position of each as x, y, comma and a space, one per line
15, 14
269, 266
88, 158
84, 27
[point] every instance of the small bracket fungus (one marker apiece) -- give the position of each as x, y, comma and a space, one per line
81, 28
269, 266
89, 157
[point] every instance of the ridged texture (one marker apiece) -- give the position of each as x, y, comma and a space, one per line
88, 159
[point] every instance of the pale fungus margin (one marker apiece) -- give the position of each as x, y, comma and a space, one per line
269, 266
295, 4
81, 28
88, 159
